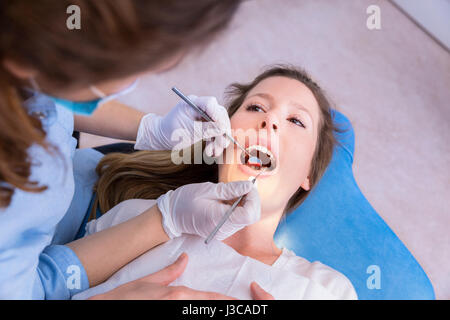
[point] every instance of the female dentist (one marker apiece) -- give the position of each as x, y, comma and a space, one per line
48, 72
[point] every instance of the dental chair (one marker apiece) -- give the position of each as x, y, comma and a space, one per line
335, 225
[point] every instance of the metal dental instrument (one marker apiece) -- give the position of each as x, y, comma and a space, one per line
228, 213
207, 117
251, 158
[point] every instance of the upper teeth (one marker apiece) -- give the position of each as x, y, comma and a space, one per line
261, 149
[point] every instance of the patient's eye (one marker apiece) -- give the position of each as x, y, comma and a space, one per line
254, 107
296, 122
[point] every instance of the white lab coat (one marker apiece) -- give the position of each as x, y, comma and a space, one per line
217, 267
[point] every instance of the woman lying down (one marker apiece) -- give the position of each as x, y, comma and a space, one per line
294, 140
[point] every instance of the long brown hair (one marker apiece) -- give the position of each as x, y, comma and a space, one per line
149, 174
117, 38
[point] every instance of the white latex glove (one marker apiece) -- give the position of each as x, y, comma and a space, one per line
197, 208
155, 132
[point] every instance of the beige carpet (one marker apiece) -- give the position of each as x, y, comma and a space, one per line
392, 83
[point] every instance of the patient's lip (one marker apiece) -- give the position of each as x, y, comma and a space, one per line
252, 172
265, 143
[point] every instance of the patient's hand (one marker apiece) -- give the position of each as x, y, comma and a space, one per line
155, 287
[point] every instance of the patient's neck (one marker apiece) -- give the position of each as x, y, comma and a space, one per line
256, 241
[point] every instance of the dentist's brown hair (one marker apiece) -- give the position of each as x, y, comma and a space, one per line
117, 38
149, 174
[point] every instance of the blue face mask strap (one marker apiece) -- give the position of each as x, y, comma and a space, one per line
85, 107
97, 92
105, 98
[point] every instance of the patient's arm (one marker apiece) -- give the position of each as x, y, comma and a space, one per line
106, 251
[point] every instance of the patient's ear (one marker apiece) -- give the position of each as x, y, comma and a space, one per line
305, 185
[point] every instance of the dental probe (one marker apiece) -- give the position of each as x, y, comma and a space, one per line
208, 118
228, 213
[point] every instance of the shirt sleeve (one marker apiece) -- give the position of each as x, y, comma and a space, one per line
54, 273
335, 283
61, 273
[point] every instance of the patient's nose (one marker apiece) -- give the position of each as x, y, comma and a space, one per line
269, 124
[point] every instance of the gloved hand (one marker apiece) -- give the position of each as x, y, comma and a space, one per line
197, 208
155, 132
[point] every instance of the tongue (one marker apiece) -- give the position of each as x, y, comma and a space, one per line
254, 161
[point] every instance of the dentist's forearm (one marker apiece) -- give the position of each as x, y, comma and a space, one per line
105, 252
113, 119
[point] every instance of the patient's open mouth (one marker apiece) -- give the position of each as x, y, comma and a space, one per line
260, 157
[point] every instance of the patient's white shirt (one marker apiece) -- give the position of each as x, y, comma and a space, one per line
217, 267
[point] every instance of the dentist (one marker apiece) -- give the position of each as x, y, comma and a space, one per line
54, 80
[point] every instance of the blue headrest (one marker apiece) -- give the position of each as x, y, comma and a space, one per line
337, 226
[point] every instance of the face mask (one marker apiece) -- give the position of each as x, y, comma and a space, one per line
87, 107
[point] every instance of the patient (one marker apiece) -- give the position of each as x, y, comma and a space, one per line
294, 139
